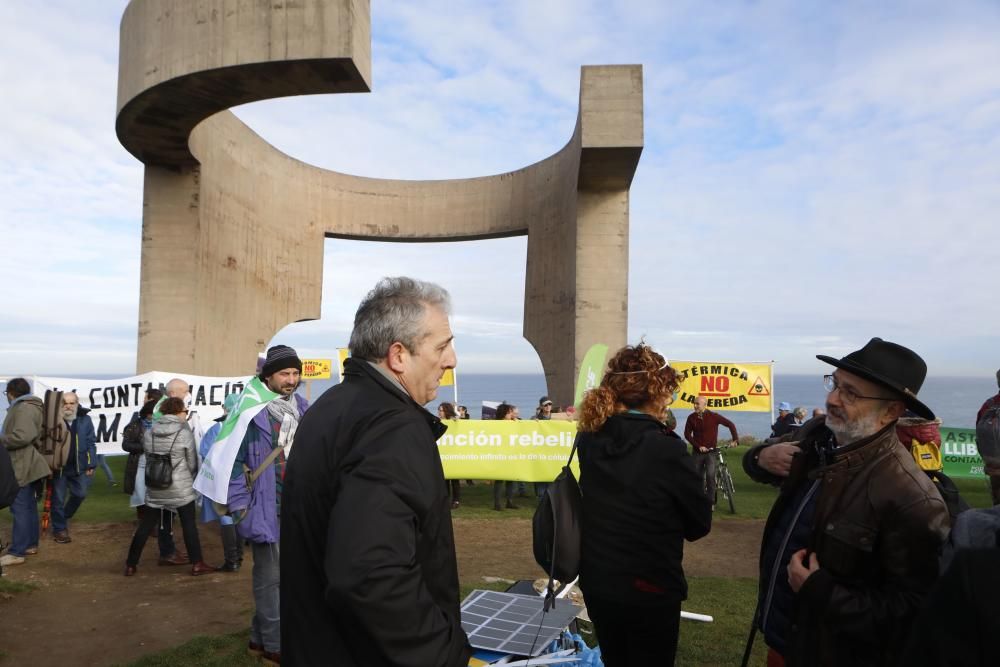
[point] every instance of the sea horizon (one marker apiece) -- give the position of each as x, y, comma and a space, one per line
954, 399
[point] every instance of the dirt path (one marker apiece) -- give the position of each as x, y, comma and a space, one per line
84, 612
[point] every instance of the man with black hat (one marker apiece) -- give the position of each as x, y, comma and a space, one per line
850, 548
255, 493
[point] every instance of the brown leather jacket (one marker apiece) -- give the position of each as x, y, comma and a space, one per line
877, 531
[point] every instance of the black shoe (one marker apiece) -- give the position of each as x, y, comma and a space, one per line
229, 566
511, 506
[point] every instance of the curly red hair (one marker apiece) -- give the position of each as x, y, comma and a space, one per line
636, 376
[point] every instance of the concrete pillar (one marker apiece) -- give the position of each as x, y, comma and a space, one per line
233, 229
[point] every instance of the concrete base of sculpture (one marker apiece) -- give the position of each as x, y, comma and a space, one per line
233, 229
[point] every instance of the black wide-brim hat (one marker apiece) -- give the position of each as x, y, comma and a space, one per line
889, 365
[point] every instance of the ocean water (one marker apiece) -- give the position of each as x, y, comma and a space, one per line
954, 399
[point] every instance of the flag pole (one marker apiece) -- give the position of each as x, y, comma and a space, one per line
454, 385
774, 390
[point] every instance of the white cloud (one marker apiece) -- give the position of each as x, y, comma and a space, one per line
813, 175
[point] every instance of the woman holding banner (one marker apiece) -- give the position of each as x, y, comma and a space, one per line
641, 499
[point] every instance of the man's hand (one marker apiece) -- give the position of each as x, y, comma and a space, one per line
90, 473
777, 459
703, 449
799, 570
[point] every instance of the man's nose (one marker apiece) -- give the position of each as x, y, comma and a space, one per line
450, 359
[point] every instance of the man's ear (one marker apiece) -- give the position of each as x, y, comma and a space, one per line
895, 410
396, 359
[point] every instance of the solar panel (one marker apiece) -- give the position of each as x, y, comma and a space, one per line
508, 622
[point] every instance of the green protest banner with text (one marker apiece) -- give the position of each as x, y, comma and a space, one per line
959, 453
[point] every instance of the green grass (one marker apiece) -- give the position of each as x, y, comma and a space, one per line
731, 603
104, 503
8, 587
204, 651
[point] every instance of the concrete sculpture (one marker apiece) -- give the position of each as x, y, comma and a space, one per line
233, 230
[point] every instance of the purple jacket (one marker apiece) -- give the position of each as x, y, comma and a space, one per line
260, 522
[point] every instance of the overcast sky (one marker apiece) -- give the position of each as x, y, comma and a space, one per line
814, 174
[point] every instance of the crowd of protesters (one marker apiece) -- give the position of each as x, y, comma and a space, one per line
849, 555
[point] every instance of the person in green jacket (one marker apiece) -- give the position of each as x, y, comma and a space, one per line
21, 429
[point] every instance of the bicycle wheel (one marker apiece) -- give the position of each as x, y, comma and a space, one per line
728, 489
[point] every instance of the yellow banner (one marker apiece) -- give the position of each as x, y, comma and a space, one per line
523, 451
448, 379
727, 386
316, 369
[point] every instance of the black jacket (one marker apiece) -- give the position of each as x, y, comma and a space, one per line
959, 626
368, 570
641, 499
877, 528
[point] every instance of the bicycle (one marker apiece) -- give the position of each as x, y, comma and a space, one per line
724, 479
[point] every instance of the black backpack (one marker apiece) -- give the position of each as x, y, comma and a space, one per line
8, 482
160, 469
988, 433
555, 528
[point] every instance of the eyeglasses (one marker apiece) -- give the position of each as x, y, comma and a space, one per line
848, 395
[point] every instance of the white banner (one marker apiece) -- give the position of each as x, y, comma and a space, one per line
112, 403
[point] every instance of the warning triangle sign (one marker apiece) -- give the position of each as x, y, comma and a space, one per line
758, 388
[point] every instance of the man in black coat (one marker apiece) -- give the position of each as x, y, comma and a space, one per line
368, 570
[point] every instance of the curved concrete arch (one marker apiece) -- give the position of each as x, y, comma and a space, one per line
233, 229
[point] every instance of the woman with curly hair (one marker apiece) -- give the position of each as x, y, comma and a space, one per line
641, 499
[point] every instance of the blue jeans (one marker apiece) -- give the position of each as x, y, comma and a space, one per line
64, 508
265, 626
26, 529
102, 463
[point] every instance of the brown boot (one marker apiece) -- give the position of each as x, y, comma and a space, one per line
201, 567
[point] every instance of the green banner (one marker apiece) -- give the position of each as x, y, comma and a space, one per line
959, 453
591, 371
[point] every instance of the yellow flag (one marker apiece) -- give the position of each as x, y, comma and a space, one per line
448, 379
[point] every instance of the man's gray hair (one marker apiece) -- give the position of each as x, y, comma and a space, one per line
799, 412
394, 311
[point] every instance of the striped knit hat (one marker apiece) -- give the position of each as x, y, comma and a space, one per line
279, 358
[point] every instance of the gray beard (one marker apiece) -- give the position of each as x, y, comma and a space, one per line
849, 432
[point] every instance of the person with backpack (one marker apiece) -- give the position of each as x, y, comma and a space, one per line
988, 440
134, 482
22, 427
171, 465
642, 498
71, 483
